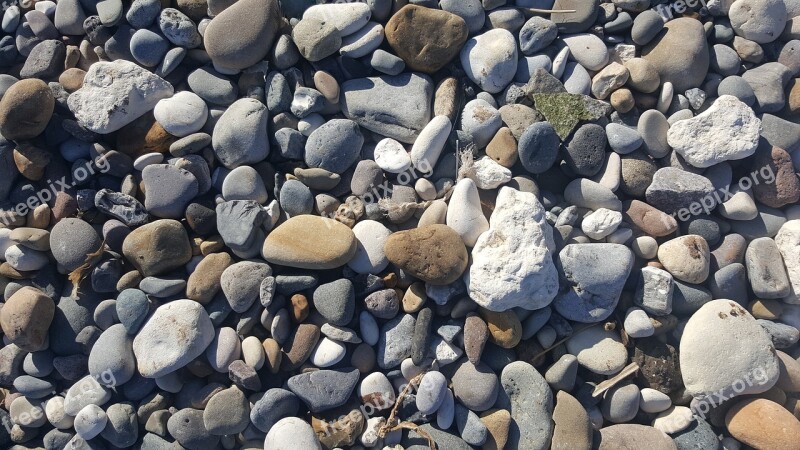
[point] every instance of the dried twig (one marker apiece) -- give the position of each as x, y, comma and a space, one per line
547, 11
391, 424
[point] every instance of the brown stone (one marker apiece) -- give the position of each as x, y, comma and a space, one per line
273, 352
687, 258
414, 297
158, 247
630, 436
764, 425
39, 217
32, 238
299, 347
72, 79
363, 358
573, 429
448, 99
327, 86
785, 189
504, 327
503, 148
26, 317
300, 307
793, 97
680, 53
476, 333
622, 100
426, 39
310, 242
789, 378
129, 280
204, 282
651, 220
766, 309
637, 170
31, 161
144, 135
519, 117
25, 109
498, 422
435, 254
9, 272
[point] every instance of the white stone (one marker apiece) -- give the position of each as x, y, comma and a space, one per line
90, 421
292, 433
5, 242
601, 223
377, 390
761, 21
724, 350
54, 410
489, 174
176, 333
740, 206
148, 159
665, 97
444, 352
490, 59
598, 350
327, 353
391, 156
611, 78
429, 144
728, 130
637, 324
369, 438
611, 173
588, 50
645, 247
346, 17
182, 114
371, 236
788, 241
464, 213
674, 420
653, 401
481, 120
25, 259
512, 262
655, 293
253, 352
363, 41
115, 94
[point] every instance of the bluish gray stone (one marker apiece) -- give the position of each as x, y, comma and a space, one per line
335, 146
338, 386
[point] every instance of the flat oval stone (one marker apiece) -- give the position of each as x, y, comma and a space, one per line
255, 22
598, 350
629, 436
310, 242
435, 254
426, 39
680, 53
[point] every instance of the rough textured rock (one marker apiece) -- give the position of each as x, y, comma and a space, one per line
426, 39
727, 130
788, 242
512, 263
434, 253
531, 404
115, 94
742, 346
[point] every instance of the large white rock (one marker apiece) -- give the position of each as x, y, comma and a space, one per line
724, 350
512, 262
728, 130
177, 333
490, 59
115, 94
464, 213
788, 241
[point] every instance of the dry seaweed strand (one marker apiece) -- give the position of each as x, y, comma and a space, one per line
77, 275
390, 425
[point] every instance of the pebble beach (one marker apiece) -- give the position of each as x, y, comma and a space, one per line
400, 224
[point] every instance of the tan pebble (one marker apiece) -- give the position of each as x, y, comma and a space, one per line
31, 161
300, 307
204, 282
622, 100
763, 424
505, 329
497, 422
503, 148
414, 297
39, 217
766, 309
273, 352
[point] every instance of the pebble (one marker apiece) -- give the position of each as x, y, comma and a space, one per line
682, 46
598, 350
25, 109
592, 274
340, 384
426, 39
90, 421
290, 432
283, 247
758, 21
127, 92
26, 317
713, 328
182, 114
490, 59
240, 134
172, 337
431, 392
687, 258
588, 50
435, 253
531, 404
774, 426
394, 344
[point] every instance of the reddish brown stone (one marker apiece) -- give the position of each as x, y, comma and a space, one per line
425, 38
144, 135
300, 346
785, 189
652, 221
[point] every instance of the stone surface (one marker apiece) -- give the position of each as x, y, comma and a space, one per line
728, 130
762, 423
680, 45
257, 21
115, 94
517, 232
310, 242
722, 327
426, 39
531, 404
434, 253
